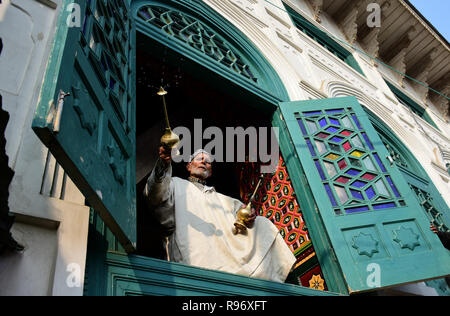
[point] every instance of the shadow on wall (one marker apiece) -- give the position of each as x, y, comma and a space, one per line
7, 243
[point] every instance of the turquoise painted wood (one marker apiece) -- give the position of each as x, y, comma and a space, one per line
110, 272
372, 219
86, 113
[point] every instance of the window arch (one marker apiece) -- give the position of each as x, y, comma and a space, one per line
196, 31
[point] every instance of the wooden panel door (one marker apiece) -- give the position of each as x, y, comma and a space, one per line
378, 232
86, 112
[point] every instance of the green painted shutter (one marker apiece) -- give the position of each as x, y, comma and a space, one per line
372, 218
86, 112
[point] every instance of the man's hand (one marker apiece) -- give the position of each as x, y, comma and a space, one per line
251, 220
165, 154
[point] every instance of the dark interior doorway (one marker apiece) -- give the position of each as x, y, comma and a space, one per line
193, 93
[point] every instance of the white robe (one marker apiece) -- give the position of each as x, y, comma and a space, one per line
200, 222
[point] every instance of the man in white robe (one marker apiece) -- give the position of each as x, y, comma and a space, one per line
200, 222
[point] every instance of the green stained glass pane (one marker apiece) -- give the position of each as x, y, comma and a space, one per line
347, 123
381, 187
369, 164
357, 142
321, 147
355, 162
342, 194
331, 169
335, 147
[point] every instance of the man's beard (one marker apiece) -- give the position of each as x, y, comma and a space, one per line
200, 173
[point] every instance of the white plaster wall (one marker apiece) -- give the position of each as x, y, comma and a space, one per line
52, 221
29, 273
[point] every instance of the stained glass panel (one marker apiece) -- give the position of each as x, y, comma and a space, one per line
342, 194
311, 126
311, 149
357, 141
332, 157
321, 147
330, 168
361, 176
347, 123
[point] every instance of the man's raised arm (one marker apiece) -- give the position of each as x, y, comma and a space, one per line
159, 191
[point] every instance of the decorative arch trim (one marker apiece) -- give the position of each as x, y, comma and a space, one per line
259, 76
338, 89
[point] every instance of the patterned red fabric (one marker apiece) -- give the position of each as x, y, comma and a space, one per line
277, 201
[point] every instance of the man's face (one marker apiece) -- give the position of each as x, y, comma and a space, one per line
200, 167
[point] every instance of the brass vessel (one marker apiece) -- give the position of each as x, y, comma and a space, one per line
243, 214
169, 139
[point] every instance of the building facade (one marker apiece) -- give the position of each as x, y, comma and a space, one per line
358, 92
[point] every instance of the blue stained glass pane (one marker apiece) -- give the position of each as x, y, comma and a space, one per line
356, 121
319, 168
302, 127
358, 184
332, 129
336, 139
330, 195
334, 121
311, 148
393, 187
323, 122
353, 172
369, 143
377, 158
384, 205
335, 111
357, 194
356, 209
370, 193
312, 113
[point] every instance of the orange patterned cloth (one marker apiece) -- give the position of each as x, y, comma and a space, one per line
277, 201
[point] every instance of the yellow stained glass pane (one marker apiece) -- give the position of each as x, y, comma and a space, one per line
357, 153
332, 156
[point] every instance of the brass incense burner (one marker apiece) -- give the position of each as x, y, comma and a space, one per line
169, 139
243, 214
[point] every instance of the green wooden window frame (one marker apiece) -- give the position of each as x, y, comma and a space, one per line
248, 68
409, 103
323, 39
198, 35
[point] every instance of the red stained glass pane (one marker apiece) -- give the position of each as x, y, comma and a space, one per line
342, 164
322, 135
369, 176
347, 146
343, 180
346, 133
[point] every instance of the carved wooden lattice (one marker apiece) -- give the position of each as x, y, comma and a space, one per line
198, 36
426, 201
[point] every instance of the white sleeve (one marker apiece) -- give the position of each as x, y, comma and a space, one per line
159, 194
